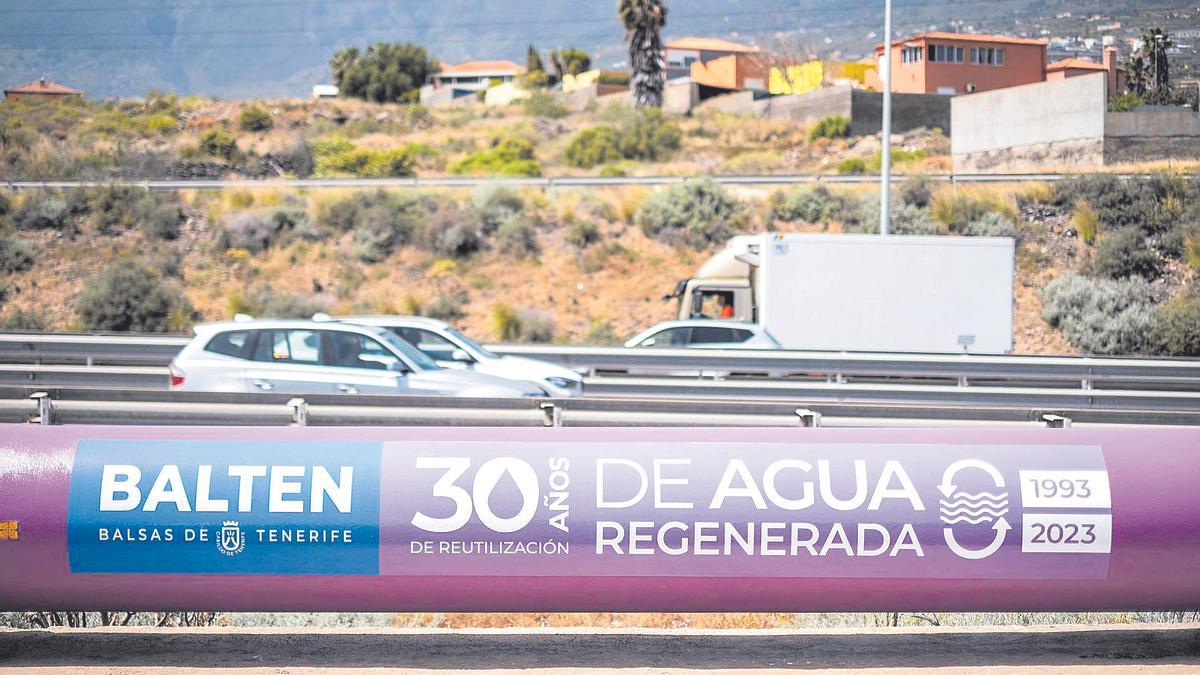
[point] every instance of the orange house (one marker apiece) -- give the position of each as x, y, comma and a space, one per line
735, 71
959, 63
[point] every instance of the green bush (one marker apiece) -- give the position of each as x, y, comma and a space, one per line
368, 207
652, 136
391, 163
916, 191
698, 213
853, 166
255, 118
111, 207
1124, 102
25, 320
492, 206
834, 126
507, 156
992, 224
545, 104
1123, 254
447, 307
159, 219
1123, 203
44, 211
602, 333
381, 221
522, 324
15, 255
957, 210
1177, 329
257, 230
246, 229
808, 204
131, 296
1100, 316
905, 219
1085, 221
645, 135
596, 145
1191, 249
517, 237
217, 142
457, 241
582, 233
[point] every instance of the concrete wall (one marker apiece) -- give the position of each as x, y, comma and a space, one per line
680, 96
582, 97
863, 108
737, 103
1151, 135
1059, 124
909, 111
811, 107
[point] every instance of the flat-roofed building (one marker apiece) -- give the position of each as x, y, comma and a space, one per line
960, 63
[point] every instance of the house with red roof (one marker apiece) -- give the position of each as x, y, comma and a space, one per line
42, 90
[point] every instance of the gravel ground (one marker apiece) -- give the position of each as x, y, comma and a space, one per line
1174, 648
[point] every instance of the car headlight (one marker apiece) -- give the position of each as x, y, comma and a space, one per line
561, 382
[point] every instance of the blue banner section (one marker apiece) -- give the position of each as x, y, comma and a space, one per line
224, 507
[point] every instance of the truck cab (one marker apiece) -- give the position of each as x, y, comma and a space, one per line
722, 287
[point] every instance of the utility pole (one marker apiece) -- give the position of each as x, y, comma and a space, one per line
885, 164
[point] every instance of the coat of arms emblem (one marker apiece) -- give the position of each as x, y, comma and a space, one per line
232, 540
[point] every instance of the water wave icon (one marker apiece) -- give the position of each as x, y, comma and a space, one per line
973, 507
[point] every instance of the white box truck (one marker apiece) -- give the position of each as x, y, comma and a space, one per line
847, 292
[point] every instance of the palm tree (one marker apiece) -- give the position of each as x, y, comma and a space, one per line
1135, 76
1149, 71
643, 21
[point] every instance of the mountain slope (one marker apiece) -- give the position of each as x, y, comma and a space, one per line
267, 48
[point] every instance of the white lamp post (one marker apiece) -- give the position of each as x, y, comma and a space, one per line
885, 164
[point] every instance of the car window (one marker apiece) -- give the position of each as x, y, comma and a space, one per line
471, 344
741, 335
230, 343
351, 350
289, 346
702, 335
415, 357
433, 345
671, 337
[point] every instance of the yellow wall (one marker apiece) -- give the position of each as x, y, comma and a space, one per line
799, 79
854, 71
810, 76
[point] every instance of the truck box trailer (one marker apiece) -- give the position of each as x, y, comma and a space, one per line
847, 292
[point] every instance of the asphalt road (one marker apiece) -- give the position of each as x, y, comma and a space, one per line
992, 650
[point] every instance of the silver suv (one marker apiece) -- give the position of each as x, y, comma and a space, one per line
309, 357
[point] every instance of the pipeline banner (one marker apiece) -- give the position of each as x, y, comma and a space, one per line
472, 508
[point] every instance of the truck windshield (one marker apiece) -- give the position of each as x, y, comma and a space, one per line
411, 354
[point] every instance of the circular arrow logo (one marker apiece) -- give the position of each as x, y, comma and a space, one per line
973, 509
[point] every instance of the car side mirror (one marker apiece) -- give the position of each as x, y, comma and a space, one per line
398, 367
648, 342
461, 356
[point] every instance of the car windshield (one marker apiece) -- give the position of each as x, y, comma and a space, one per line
411, 353
471, 344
